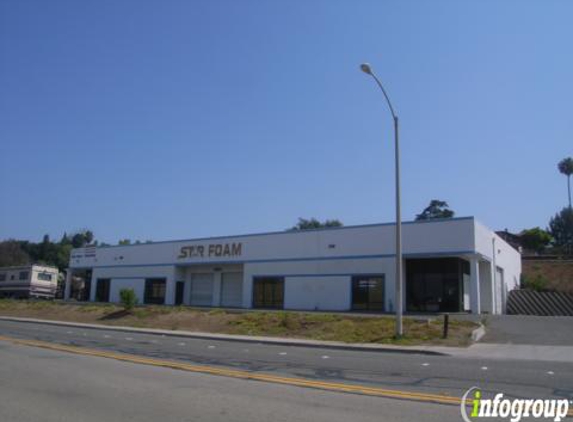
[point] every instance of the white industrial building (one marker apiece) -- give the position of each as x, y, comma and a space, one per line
450, 265
39, 281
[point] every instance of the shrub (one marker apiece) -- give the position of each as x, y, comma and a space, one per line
537, 283
128, 299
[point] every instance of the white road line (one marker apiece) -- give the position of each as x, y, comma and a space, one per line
282, 353
484, 368
181, 344
550, 373
210, 347
106, 336
425, 364
325, 357
129, 338
69, 332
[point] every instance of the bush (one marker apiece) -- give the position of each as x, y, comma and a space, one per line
536, 283
128, 299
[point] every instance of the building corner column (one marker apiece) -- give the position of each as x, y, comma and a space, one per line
475, 302
493, 266
93, 288
217, 278
68, 284
170, 286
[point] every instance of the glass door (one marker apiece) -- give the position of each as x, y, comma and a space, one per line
368, 293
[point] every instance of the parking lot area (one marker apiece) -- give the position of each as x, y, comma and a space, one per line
526, 329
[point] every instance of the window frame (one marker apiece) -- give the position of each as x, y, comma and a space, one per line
268, 285
369, 304
150, 296
47, 276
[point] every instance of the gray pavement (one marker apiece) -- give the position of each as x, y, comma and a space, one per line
432, 374
529, 330
48, 386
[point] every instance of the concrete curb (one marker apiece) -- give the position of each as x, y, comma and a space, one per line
478, 333
383, 348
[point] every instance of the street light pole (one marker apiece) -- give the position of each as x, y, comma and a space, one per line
365, 67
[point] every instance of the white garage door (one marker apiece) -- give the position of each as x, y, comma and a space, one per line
232, 289
202, 289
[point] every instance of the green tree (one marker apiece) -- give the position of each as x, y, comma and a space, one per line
82, 238
12, 254
124, 242
62, 257
565, 167
561, 228
65, 239
57, 254
436, 209
313, 223
535, 239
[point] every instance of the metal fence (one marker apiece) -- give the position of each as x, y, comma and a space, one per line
528, 302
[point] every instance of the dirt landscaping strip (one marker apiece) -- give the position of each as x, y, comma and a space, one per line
333, 327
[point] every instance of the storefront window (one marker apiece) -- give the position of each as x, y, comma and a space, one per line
368, 293
155, 291
435, 284
268, 292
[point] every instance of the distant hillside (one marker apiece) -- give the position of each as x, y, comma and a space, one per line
558, 274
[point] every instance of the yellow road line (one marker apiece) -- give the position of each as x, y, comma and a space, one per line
234, 373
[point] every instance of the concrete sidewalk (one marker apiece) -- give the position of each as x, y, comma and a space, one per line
516, 352
477, 350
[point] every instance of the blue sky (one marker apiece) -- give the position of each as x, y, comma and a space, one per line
174, 119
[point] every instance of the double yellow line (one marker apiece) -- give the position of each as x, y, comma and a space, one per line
234, 373
242, 374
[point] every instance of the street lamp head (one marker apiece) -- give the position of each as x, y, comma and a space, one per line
365, 67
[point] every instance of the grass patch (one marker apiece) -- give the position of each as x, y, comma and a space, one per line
349, 329
305, 325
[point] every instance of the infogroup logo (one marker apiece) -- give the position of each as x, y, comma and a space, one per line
512, 409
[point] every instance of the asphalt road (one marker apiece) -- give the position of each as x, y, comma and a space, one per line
48, 386
406, 372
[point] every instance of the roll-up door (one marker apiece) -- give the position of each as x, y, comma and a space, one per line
202, 289
232, 289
